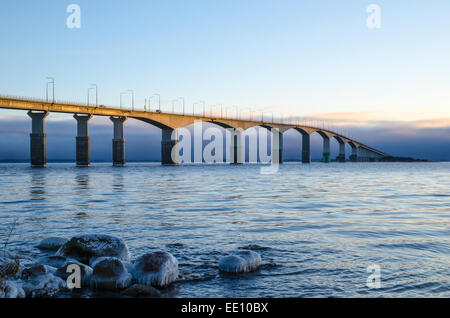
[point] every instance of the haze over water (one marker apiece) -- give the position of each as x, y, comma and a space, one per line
317, 227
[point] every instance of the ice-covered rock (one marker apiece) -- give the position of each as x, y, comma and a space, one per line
137, 291
38, 283
158, 269
33, 271
10, 289
85, 247
94, 261
109, 273
52, 243
54, 261
240, 262
85, 272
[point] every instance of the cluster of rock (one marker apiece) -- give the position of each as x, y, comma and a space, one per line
101, 262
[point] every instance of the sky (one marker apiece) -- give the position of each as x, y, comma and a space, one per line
388, 87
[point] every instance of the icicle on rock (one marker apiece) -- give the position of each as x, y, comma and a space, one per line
38, 283
158, 269
240, 262
10, 289
110, 274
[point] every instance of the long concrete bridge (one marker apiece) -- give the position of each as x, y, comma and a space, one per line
38, 110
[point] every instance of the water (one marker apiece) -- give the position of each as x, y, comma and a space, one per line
317, 227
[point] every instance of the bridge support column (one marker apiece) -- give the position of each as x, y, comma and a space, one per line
326, 149
167, 144
341, 157
277, 146
306, 148
83, 148
354, 156
118, 141
38, 139
237, 150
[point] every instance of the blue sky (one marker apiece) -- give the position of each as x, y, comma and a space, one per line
300, 58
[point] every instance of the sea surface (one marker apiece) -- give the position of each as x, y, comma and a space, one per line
317, 227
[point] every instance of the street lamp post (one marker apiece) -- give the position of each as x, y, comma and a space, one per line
221, 111
184, 102
132, 98
237, 112
93, 86
50, 80
250, 112
159, 101
173, 106
193, 107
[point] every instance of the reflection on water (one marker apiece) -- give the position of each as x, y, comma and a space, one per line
317, 227
82, 182
37, 184
118, 183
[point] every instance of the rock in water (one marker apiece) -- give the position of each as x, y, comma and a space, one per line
240, 262
137, 290
110, 274
38, 283
85, 247
51, 243
158, 269
10, 289
33, 271
54, 261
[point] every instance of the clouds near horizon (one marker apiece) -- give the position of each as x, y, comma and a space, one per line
407, 139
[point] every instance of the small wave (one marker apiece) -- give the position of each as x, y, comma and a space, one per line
175, 245
254, 247
194, 279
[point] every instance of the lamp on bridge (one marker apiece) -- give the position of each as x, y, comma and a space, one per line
132, 98
93, 86
159, 101
193, 107
50, 80
184, 102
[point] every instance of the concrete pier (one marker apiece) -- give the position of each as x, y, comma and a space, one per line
167, 144
118, 141
237, 151
341, 157
306, 148
354, 155
38, 139
83, 147
277, 146
326, 157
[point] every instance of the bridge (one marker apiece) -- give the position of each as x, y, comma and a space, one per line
38, 110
